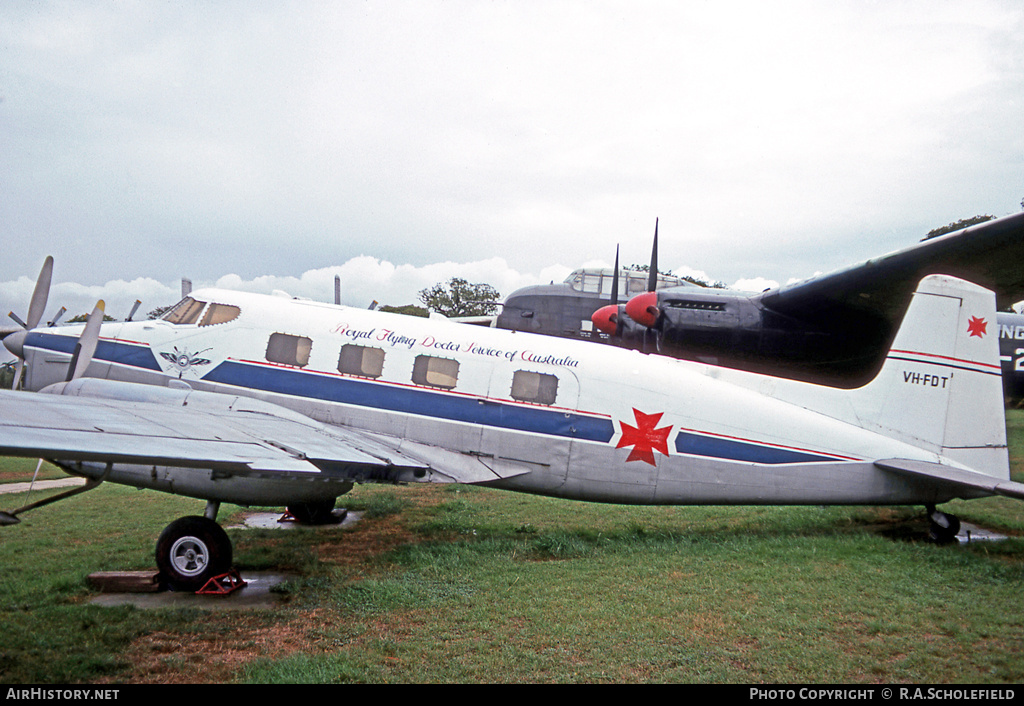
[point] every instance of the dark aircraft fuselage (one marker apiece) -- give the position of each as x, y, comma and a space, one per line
737, 330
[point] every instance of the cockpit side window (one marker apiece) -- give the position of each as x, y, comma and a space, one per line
186, 311
637, 284
220, 314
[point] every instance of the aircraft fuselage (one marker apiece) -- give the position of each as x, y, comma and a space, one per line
596, 423
733, 329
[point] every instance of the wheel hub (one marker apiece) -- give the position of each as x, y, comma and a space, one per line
190, 556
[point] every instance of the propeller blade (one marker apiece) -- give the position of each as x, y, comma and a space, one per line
615, 278
40, 294
337, 289
86, 346
135, 307
56, 318
16, 382
652, 274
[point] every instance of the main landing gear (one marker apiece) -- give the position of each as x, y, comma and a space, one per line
192, 550
943, 527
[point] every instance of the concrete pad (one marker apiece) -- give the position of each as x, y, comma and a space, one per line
972, 533
272, 520
256, 594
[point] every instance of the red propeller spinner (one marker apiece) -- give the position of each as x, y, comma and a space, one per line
643, 309
606, 319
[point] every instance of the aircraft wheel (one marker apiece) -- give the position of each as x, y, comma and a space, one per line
943, 527
319, 513
191, 551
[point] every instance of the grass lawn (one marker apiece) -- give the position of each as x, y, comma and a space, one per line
463, 584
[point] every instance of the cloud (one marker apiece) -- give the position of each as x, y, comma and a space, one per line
248, 140
363, 280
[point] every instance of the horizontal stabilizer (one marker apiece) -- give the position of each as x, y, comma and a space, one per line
967, 480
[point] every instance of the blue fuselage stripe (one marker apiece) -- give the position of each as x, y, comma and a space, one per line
410, 400
714, 447
109, 351
427, 402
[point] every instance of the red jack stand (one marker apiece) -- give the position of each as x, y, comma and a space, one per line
222, 585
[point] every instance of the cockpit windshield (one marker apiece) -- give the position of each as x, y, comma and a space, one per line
189, 310
630, 281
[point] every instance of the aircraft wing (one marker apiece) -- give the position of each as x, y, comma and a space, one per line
961, 480
107, 421
989, 254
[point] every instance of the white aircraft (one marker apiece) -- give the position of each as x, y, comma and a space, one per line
263, 400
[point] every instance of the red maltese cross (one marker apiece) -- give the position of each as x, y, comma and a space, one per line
977, 327
644, 438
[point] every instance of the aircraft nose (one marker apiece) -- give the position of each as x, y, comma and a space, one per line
606, 319
15, 343
643, 309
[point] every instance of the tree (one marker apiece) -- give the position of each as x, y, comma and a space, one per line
408, 310
7, 375
457, 297
686, 278
959, 225
82, 318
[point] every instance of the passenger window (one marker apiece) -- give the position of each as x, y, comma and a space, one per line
220, 314
289, 350
361, 360
436, 372
534, 387
186, 311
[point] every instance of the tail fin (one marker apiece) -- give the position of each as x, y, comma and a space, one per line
941, 385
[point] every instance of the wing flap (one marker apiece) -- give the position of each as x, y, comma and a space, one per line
955, 477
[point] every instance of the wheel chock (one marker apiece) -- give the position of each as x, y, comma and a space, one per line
222, 585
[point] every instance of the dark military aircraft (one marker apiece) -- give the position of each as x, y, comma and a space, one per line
830, 329
567, 309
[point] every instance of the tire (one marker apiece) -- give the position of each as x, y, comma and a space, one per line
943, 528
191, 551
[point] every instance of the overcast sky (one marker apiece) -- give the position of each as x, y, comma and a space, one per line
271, 145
